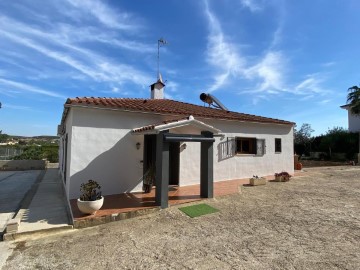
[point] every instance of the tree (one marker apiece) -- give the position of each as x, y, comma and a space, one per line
30, 152
3, 137
303, 135
353, 99
339, 140
302, 138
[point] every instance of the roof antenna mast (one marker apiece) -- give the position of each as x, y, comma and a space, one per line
161, 42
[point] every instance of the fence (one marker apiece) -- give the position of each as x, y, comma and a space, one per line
7, 153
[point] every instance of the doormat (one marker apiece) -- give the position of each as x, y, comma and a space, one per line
198, 210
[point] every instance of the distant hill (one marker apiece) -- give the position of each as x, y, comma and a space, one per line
41, 137
46, 137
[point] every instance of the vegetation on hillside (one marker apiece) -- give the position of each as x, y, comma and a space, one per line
35, 148
36, 152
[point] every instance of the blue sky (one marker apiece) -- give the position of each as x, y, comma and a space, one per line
292, 60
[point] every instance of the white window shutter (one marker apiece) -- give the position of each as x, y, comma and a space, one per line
229, 147
232, 146
260, 147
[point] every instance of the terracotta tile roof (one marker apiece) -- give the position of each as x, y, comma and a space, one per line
167, 106
152, 126
178, 122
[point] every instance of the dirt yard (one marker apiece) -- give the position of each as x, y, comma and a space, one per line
311, 222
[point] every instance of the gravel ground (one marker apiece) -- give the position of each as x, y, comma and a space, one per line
311, 222
322, 163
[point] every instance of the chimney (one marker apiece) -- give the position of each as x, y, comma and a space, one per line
157, 89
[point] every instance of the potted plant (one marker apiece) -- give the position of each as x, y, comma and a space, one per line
90, 200
282, 177
149, 178
257, 181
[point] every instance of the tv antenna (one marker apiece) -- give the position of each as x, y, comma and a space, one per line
161, 42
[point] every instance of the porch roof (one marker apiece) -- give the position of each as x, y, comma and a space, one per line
175, 123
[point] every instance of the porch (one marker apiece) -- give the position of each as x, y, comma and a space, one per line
128, 205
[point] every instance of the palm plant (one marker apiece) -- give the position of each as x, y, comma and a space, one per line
353, 99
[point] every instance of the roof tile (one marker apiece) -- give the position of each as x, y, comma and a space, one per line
171, 107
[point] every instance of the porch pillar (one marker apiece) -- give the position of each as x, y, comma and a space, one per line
162, 171
145, 150
206, 167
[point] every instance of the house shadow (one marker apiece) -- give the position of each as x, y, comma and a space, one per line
226, 149
113, 169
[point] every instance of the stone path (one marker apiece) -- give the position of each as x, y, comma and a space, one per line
48, 208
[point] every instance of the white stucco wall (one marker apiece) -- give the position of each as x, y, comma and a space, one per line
102, 148
354, 122
241, 166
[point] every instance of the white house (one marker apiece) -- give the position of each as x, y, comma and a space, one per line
116, 140
353, 120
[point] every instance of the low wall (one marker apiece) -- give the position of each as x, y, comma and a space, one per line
21, 165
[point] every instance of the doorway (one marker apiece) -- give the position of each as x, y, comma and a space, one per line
174, 163
174, 158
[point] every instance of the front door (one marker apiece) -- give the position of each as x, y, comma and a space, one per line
174, 158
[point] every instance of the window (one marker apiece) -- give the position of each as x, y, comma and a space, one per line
245, 146
250, 146
277, 145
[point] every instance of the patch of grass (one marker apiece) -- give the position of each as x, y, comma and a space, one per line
198, 210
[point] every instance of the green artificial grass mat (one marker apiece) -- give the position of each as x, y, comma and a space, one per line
198, 210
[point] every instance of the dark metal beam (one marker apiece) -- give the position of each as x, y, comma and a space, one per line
169, 137
162, 171
206, 167
145, 150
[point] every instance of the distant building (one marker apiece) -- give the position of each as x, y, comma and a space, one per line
353, 120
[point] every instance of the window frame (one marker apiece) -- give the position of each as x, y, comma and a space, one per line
278, 145
253, 146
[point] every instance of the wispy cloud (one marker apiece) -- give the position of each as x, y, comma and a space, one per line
221, 53
328, 64
62, 49
325, 101
311, 84
172, 86
229, 63
15, 107
256, 99
29, 88
107, 16
253, 5
269, 71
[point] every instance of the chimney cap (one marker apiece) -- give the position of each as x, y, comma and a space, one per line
159, 81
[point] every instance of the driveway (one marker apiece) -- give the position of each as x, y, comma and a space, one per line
14, 185
311, 222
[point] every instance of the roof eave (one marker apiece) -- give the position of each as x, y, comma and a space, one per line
178, 124
67, 105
